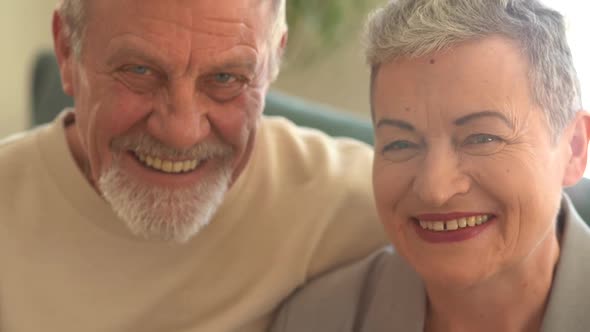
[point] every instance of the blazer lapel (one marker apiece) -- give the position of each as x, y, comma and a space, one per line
400, 302
568, 308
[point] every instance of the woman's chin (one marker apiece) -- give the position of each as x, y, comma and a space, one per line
452, 269
453, 279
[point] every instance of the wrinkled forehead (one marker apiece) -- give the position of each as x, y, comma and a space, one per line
256, 14
490, 73
196, 29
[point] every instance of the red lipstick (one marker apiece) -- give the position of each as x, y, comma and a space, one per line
457, 235
449, 216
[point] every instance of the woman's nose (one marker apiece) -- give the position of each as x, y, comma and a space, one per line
440, 178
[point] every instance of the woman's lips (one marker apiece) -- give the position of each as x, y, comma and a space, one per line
440, 223
451, 227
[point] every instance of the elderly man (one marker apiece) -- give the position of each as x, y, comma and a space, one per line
165, 201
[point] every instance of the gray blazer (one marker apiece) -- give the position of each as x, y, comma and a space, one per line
383, 293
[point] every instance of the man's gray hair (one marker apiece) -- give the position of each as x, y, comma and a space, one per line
74, 14
413, 28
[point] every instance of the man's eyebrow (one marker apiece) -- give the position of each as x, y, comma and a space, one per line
395, 123
483, 114
245, 64
124, 53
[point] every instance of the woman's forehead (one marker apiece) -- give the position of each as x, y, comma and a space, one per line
484, 75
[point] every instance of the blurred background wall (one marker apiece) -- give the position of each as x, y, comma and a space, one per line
25, 27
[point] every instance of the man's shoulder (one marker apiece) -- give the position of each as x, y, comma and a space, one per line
19, 170
308, 151
17, 140
17, 150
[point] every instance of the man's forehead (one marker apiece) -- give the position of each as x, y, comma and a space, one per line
189, 21
228, 9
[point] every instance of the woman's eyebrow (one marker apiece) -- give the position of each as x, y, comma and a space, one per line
483, 114
395, 123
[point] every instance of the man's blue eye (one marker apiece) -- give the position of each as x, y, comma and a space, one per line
223, 77
139, 70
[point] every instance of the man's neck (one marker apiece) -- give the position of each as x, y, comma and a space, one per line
512, 301
76, 149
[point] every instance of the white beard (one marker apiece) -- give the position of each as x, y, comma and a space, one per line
165, 213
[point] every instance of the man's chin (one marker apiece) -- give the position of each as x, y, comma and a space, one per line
162, 213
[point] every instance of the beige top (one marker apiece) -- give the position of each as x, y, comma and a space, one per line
303, 206
383, 294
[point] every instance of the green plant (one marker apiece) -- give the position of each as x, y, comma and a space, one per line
319, 25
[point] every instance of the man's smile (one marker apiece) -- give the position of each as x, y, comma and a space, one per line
168, 166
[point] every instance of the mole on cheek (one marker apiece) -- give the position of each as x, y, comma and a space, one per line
432, 61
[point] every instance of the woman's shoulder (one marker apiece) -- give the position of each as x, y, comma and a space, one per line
336, 300
567, 308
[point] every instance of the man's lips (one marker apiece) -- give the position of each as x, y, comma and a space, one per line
167, 166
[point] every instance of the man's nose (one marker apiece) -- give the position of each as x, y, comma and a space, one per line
179, 121
440, 178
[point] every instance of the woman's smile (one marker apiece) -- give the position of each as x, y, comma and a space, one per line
451, 227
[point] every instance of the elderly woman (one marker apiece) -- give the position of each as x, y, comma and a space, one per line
478, 128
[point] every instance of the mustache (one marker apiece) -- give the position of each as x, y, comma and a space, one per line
146, 144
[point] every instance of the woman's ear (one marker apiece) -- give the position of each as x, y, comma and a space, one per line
578, 144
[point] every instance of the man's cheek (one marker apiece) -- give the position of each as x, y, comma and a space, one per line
125, 111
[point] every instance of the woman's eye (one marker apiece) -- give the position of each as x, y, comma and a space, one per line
399, 145
401, 150
483, 144
482, 139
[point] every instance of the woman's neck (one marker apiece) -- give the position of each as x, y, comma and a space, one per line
512, 301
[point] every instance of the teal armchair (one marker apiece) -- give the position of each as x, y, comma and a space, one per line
48, 100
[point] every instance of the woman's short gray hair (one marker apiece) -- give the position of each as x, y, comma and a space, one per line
415, 28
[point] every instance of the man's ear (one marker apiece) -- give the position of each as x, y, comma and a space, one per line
63, 52
578, 144
283, 42
278, 54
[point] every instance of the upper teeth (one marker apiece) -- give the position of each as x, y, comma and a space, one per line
168, 166
452, 225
